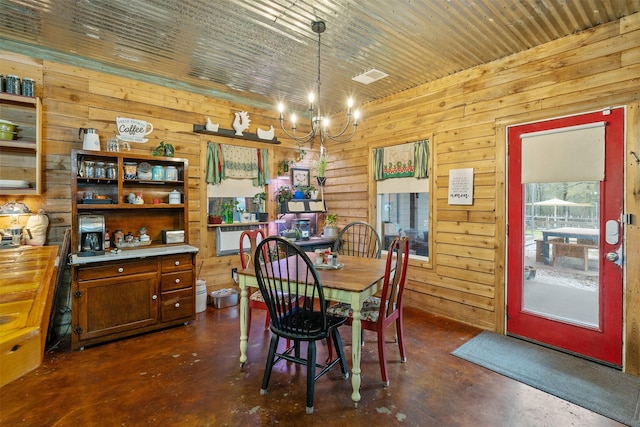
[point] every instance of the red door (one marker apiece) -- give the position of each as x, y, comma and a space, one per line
564, 279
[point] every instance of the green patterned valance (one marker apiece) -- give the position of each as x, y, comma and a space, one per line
228, 161
405, 160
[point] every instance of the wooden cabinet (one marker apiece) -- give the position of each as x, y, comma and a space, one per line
124, 297
20, 159
141, 288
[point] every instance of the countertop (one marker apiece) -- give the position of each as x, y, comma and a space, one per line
134, 253
27, 281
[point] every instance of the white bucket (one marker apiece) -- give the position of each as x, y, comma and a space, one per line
201, 295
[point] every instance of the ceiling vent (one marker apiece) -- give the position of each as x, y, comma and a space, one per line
370, 76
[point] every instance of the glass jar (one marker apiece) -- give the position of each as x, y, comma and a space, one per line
28, 87
110, 171
14, 85
157, 173
89, 169
130, 170
99, 171
171, 173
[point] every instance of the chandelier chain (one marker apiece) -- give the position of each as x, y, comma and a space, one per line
318, 123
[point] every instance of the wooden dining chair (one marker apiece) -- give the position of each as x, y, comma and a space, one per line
379, 312
252, 237
358, 238
282, 268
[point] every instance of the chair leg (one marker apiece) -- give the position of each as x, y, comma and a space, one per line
270, 358
400, 329
335, 335
382, 356
329, 350
267, 320
311, 374
296, 349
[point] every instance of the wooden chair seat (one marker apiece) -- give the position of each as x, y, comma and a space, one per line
370, 310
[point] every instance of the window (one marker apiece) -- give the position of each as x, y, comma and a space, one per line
402, 187
405, 214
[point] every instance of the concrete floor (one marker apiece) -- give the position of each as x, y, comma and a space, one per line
190, 376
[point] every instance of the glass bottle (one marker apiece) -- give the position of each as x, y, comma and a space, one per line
119, 237
99, 171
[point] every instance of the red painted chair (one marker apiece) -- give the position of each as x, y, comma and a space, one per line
379, 313
246, 260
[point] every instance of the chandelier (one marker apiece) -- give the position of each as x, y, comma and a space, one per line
319, 125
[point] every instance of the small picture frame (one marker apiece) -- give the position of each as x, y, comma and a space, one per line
300, 176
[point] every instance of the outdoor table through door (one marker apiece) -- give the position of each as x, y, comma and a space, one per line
357, 280
566, 233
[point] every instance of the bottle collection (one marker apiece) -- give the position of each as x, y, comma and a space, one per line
129, 240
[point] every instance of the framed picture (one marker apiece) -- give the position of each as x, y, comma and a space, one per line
300, 177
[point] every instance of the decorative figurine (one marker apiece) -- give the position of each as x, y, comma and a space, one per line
210, 126
266, 134
241, 122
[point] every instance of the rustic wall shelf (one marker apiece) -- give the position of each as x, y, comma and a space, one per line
230, 133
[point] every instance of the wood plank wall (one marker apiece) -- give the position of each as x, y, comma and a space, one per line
464, 115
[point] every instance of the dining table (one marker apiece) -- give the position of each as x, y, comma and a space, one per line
353, 282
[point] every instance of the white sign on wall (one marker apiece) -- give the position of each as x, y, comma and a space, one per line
461, 186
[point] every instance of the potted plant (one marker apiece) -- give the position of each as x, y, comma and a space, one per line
283, 167
228, 208
331, 225
283, 195
163, 149
299, 191
215, 218
259, 199
320, 167
311, 193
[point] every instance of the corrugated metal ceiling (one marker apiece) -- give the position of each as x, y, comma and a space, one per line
262, 51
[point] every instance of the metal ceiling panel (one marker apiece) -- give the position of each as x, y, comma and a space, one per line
263, 51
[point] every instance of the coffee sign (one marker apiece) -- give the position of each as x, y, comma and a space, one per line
133, 130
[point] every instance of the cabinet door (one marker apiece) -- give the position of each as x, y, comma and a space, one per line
117, 304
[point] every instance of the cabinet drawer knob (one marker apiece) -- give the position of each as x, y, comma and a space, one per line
177, 281
155, 297
177, 262
120, 269
177, 305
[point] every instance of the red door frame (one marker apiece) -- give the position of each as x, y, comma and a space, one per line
603, 343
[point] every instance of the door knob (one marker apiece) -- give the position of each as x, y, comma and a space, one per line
612, 256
